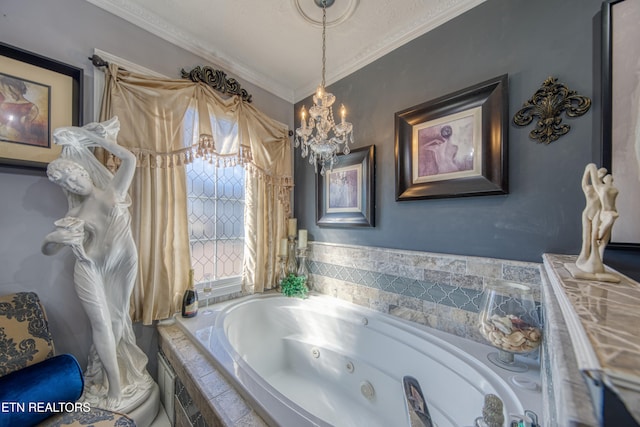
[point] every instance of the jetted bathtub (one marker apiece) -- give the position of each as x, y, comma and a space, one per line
325, 362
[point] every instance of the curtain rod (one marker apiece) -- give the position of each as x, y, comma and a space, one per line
97, 61
216, 79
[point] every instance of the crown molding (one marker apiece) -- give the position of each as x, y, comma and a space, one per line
446, 11
150, 22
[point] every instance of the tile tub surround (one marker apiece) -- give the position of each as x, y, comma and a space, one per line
437, 290
216, 401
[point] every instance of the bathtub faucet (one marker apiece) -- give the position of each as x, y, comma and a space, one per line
416, 405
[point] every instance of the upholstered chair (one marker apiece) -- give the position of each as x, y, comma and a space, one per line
38, 387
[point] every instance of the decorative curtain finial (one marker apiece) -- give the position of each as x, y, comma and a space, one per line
218, 80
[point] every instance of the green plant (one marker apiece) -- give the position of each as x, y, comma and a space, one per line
294, 286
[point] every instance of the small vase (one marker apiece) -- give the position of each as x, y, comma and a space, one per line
292, 265
509, 320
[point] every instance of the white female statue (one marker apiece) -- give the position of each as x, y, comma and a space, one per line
97, 228
598, 217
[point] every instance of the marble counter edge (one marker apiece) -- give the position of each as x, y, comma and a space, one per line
624, 383
585, 354
567, 395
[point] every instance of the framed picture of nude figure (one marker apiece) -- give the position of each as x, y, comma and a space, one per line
37, 95
621, 115
346, 193
455, 145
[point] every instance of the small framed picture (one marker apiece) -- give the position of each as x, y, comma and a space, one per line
345, 195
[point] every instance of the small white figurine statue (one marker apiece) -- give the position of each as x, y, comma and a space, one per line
97, 229
598, 217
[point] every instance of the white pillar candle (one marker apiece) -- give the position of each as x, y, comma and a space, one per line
293, 226
283, 247
302, 238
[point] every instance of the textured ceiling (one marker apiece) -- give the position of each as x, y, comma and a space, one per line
272, 45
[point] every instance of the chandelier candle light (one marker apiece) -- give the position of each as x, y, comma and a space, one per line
320, 146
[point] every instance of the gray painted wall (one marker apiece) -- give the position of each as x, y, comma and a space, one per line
529, 40
68, 31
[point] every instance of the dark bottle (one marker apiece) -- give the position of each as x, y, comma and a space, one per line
190, 299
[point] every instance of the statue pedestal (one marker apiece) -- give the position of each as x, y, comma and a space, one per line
145, 410
140, 400
578, 273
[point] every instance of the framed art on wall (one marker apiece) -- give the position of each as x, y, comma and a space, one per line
621, 114
455, 145
37, 95
345, 195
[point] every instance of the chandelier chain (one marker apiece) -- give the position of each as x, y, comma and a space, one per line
324, 42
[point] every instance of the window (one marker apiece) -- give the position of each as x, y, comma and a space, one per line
215, 201
215, 206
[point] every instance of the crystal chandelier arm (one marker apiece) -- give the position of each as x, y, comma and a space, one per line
314, 136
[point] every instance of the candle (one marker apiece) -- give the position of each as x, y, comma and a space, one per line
302, 239
283, 247
303, 122
343, 112
293, 226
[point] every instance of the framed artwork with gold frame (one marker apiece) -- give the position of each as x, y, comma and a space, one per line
37, 95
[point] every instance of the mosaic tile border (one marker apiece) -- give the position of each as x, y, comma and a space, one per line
437, 290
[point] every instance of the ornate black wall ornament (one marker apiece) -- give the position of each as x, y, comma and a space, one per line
217, 80
547, 104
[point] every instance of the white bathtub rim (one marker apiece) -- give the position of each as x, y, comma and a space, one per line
469, 363
261, 392
394, 323
273, 406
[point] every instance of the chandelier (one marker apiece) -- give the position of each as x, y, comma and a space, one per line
319, 136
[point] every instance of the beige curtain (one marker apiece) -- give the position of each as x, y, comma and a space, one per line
165, 122
268, 187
